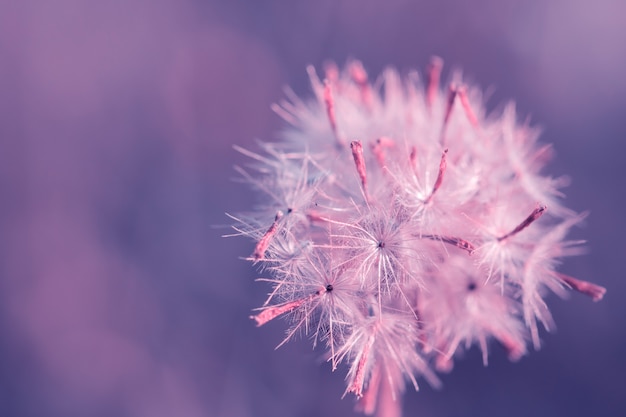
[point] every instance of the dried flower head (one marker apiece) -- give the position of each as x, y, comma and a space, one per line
400, 224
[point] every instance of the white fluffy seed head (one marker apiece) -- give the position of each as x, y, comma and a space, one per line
402, 224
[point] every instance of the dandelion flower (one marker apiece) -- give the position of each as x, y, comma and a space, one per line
400, 224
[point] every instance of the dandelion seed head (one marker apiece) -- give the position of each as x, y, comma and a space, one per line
400, 224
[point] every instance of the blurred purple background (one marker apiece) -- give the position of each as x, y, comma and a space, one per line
117, 119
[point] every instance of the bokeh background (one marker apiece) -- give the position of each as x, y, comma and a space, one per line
118, 297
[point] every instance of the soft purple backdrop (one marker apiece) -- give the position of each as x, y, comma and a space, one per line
117, 119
